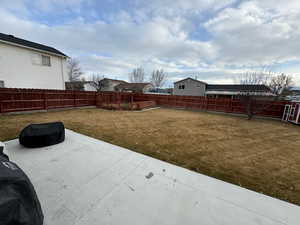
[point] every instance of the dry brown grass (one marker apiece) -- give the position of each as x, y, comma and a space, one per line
261, 155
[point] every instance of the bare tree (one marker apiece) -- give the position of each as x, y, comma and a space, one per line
281, 83
97, 81
75, 71
277, 83
158, 78
253, 78
274, 84
137, 75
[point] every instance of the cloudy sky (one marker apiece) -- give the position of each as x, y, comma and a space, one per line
211, 39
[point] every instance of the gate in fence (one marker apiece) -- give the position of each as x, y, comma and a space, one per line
291, 113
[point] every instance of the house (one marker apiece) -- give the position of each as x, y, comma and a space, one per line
134, 87
110, 84
80, 86
192, 87
233, 90
107, 84
26, 64
189, 86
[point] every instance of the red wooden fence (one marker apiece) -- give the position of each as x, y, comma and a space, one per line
262, 108
14, 100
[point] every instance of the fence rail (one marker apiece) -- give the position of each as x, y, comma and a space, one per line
15, 100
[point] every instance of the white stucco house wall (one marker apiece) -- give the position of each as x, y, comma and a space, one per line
25, 64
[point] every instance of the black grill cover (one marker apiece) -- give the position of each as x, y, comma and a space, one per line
2, 152
41, 135
19, 204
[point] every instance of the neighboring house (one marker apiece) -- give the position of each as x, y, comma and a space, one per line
110, 84
232, 90
26, 64
134, 87
194, 87
80, 86
189, 86
106, 85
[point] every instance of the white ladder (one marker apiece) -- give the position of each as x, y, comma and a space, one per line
289, 113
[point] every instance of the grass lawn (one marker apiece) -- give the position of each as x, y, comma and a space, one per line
261, 155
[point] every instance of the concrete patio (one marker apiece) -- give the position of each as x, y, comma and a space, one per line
84, 181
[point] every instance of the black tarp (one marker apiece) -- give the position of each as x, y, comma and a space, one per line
41, 135
19, 204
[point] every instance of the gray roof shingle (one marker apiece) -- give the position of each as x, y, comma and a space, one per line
25, 43
237, 87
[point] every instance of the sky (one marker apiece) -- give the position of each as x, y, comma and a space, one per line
212, 40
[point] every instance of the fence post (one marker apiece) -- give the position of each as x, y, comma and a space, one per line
131, 101
45, 100
74, 97
0, 106
119, 100
96, 99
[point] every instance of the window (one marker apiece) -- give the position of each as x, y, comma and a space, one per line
36, 59
1, 84
181, 86
46, 60
41, 60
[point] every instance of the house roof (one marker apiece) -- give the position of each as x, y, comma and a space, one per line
190, 79
132, 86
237, 87
28, 44
122, 81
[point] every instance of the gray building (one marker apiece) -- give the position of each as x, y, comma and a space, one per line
189, 86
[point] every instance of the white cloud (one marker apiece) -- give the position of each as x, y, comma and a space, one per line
179, 7
50, 5
126, 40
256, 33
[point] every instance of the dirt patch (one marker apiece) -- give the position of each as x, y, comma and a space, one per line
261, 155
